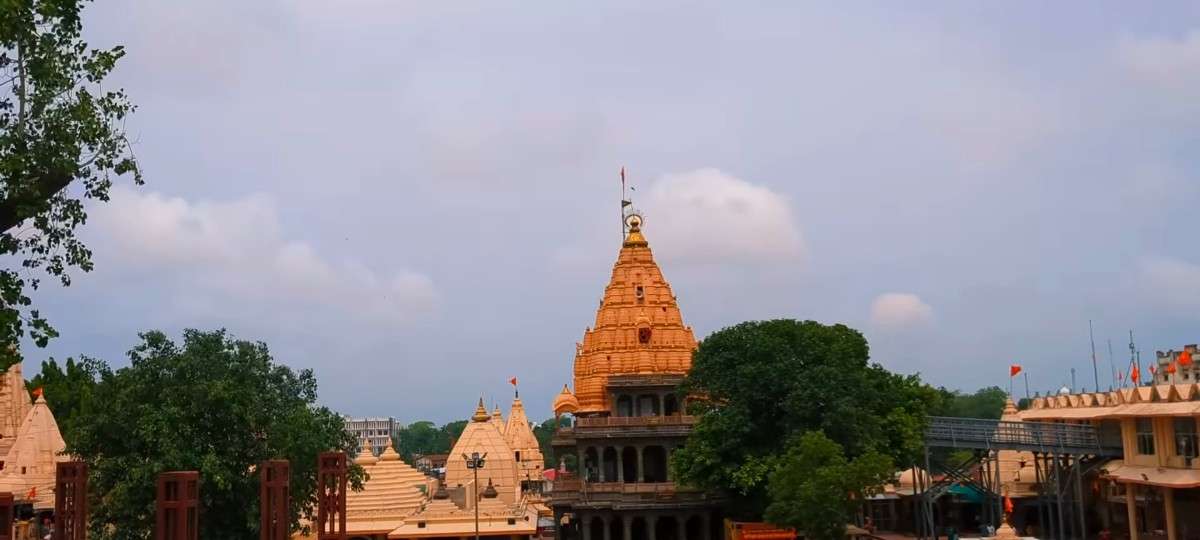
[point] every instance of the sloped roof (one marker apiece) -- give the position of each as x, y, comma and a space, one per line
392, 492
500, 467
29, 466
521, 439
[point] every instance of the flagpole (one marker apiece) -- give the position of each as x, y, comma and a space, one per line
1092, 338
1026, 374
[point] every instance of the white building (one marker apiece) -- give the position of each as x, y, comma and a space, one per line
375, 429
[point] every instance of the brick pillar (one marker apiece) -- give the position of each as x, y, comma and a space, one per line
1169, 502
1131, 509
6, 516
70, 501
274, 480
331, 496
641, 470
177, 506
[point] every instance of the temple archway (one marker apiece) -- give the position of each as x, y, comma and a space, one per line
629, 462
596, 527
589, 464
624, 405
647, 405
610, 465
670, 405
666, 528
654, 461
638, 529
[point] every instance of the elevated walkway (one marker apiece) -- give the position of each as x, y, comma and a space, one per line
1041, 437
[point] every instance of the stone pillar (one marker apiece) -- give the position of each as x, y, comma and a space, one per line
1169, 502
621, 464
659, 399
607, 528
580, 467
585, 523
669, 451
651, 525
641, 470
681, 524
706, 527
600, 464
1131, 509
627, 527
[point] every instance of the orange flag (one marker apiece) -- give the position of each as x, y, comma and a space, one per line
1135, 375
1171, 368
32, 493
37, 392
1152, 370
1014, 369
1185, 358
513, 381
1008, 506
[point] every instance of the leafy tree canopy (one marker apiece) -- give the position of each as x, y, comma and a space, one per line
758, 386
544, 433
983, 403
67, 388
59, 129
212, 404
815, 489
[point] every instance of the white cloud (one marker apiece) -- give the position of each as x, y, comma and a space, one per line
1171, 63
709, 216
234, 254
900, 311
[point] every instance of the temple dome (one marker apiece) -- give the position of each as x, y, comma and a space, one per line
30, 464
565, 402
366, 454
482, 436
524, 443
392, 492
638, 330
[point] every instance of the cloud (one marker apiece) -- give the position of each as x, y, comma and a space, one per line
900, 311
233, 255
708, 216
1167, 62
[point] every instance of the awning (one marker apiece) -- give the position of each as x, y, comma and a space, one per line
1119, 471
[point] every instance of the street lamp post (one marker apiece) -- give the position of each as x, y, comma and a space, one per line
475, 462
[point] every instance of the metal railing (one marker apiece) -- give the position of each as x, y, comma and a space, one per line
986, 434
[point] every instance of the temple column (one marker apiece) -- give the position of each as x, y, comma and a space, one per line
681, 526
580, 465
607, 529
621, 464
1131, 509
705, 527
600, 464
641, 470
586, 524
1169, 501
626, 526
669, 451
651, 525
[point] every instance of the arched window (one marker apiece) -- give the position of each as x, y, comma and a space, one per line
644, 335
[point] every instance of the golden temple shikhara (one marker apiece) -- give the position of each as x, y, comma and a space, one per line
629, 418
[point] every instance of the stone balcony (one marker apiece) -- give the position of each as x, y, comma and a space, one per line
608, 427
618, 495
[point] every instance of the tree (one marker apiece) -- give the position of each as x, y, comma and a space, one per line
422, 437
58, 128
453, 431
544, 433
758, 385
815, 488
983, 403
212, 404
67, 390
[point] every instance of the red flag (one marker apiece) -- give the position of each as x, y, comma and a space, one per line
1152, 370
1135, 374
513, 381
1185, 358
1008, 505
32, 493
37, 392
1171, 368
1014, 369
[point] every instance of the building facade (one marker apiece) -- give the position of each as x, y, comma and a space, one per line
1153, 491
628, 416
379, 431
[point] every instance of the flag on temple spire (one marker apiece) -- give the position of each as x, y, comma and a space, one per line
1171, 368
1014, 369
1153, 370
513, 381
1185, 358
1135, 375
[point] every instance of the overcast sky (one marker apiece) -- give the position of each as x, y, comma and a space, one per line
418, 200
